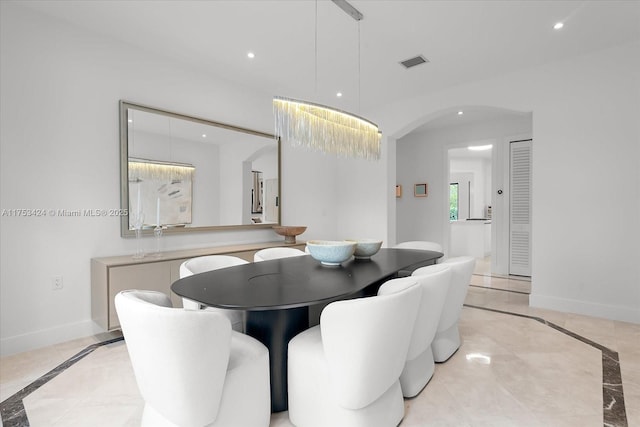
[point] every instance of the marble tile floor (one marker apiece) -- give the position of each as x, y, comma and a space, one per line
501, 283
485, 278
517, 366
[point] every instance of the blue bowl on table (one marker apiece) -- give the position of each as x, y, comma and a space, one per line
331, 252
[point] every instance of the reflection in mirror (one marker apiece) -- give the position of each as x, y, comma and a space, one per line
189, 174
256, 193
162, 188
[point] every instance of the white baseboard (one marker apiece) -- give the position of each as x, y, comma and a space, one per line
47, 337
613, 312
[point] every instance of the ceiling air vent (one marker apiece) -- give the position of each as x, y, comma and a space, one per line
412, 62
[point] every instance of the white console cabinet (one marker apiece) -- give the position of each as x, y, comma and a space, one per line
110, 275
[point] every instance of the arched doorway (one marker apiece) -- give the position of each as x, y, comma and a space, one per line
423, 156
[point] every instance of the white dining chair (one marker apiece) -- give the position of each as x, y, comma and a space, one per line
345, 371
420, 366
276, 253
447, 339
208, 263
190, 367
422, 245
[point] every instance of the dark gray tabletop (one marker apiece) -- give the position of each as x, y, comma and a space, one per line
295, 282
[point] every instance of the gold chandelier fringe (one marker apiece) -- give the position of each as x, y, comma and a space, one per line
140, 170
325, 129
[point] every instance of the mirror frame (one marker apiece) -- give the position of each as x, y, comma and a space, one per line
124, 173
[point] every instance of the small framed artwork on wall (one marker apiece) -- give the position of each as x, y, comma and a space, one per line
398, 191
420, 190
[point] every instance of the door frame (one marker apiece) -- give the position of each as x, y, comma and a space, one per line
501, 218
446, 244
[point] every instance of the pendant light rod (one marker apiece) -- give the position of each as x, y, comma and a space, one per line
323, 128
315, 50
350, 10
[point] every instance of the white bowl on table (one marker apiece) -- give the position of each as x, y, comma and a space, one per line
331, 252
366, 248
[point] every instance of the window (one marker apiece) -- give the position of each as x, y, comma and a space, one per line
453, 201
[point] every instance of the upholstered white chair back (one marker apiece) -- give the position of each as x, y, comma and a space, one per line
207, 263
420, 245
275, 253
420, 366
461, 271
179, 357
435, 281
365, 341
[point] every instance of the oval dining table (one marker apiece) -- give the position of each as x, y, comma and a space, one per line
277, 296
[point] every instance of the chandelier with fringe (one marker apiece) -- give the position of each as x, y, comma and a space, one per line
143, 169
325, 129
321, 128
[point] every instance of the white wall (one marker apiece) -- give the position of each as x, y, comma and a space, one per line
586, 156
363, 189
60, 89
420, 218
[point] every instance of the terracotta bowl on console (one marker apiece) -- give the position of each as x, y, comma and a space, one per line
330, 252
289, 232
366, 248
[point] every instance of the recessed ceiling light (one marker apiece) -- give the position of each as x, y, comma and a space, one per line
204, 135
339, 94
558, 25
480, 147
130, 120
251, 55
460, 113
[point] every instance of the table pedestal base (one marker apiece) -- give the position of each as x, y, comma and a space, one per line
275, 328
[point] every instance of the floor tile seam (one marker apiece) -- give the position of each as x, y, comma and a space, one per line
608, 351
500, 289
19, 417
56, 419
463, 406
530, 411
613, 411
502, 277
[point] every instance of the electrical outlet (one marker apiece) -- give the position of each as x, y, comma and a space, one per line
56, 283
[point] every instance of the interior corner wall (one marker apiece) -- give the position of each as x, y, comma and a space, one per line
586, 174
362, 191
420, 160
60, 86
314, 203
391, 177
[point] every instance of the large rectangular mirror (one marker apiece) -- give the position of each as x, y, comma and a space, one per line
188, 174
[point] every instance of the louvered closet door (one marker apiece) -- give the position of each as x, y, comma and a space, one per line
520, 209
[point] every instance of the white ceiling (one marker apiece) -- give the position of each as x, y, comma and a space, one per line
466, 154
463, 40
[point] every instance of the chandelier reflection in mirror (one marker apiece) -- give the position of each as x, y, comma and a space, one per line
325, 129
160, 192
